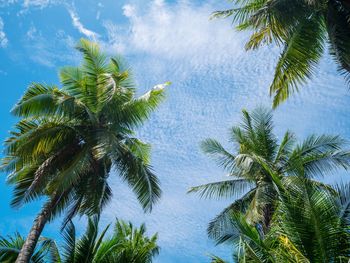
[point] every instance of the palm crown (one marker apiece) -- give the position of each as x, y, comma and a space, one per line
69, 139
10, 247
302, 28
256, 149
127, 244
311, 224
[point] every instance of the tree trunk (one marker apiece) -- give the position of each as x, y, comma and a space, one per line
39, 223
268, 214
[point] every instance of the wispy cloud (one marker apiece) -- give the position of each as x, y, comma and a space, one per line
60, 49
79, 25
31, 32
3, 37
28, 5
175, 31
36, 3
7, 2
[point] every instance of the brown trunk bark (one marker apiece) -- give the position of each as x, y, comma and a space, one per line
39, 223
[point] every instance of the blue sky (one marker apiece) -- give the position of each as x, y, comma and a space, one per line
213, 79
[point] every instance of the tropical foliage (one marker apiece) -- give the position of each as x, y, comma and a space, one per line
256, 148
303, 28
69, 139
127, 244
11, 246
311, 224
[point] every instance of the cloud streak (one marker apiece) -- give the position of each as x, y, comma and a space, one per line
174, 31
36, 3
78, 25
3, 38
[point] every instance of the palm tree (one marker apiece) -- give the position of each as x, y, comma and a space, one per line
311, 224
131, 245
248, 180
303, 28
127, 244
69, 139
11, 246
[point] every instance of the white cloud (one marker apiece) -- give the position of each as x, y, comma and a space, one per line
176, 31
129, 10
36, 3
3, 37
78, 25
31, 32
115, 40
28, 5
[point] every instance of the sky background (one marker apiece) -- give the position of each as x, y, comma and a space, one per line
213, 79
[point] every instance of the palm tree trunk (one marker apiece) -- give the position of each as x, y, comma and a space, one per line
39, 223
268, 214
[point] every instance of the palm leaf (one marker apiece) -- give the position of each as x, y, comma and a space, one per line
301, 54
223, 189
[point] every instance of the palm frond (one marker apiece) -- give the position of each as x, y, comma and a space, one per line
69, 245
219, 225
300, 56
223, 189
85, 245
338, 27
214, 149
318, 155
138, 174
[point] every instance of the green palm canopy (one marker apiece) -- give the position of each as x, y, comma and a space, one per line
311, 224
303, 28
127, 244
255, 152
70, 138
11, 246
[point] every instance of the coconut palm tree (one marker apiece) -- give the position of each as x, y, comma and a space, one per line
311, 224
11, 246
253, 142
127, 244
70, 139
303, 28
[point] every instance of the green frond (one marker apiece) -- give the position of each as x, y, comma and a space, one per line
139, 148
216, 259
136, 111
223, 189
222, 222
338, 28
285, 148
11, 246
71, 172
297, 63
214, 149
343, 191
141, 178
85, 245
318, 155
